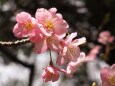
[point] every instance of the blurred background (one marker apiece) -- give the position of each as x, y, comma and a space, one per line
20, 66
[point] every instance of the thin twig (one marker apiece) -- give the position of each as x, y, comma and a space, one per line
11, 43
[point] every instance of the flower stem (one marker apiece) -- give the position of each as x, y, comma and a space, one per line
51, 62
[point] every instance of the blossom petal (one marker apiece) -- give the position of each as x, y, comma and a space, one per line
80, 41
17, 32
36, 37
112, 70
53, 10
70, 70
56, 76
70, 37
104, 73
23, 16
60, 27
40, 47
42, 14
60, 59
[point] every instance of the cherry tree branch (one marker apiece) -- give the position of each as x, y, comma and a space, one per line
12, 43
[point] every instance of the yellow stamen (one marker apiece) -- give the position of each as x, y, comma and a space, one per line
72, 50
28, 25
48, 24
112, 79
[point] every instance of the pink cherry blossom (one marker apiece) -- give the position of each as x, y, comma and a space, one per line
72, 66
105, 37
51, 73
26, 26
51, 22
108, 76
69, 50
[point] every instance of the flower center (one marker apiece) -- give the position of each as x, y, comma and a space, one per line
28, 25
48, 24
112, 80
72, 50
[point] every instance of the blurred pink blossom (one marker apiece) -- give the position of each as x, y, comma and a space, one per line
93, 53
105, 37
108, 76
51, 22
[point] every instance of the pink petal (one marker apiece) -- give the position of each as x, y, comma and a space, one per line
53, 10
80, 41
42, 14
101, 40
111, 39
55, 76
104, 34
93, 53
60, 27
23, 16
37, 36
80, 60
53, 42
112, 70
70, 37
59, 15
104, 73
17, 31
81, 57
50, 69
41, 47
60, 59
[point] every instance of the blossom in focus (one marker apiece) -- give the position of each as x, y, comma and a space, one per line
108, 76
26, 25
51, 22
105, 37
72, 66
69, 50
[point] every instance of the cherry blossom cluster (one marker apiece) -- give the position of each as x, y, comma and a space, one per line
47, 31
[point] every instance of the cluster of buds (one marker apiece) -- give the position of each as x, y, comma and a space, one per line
47, 31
